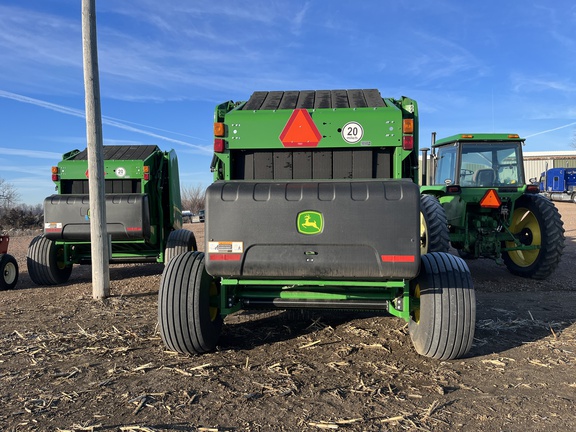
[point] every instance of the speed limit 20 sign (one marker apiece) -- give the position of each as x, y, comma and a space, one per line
352, 132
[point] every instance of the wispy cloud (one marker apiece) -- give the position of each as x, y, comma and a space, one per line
34, 171
439, 58
551, 130
33, 43
105, 120
522, 83
36, 154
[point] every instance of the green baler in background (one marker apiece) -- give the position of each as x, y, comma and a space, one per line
143, 212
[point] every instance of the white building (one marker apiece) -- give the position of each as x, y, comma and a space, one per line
535, 163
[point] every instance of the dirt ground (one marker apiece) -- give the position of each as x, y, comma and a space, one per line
70, 363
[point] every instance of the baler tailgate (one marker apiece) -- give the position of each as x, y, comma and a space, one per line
67, 217
330, 230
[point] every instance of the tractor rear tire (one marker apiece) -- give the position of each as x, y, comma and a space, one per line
188, 313
434, 236
8, 272
45, 261
442, 325
179, 241
537, 222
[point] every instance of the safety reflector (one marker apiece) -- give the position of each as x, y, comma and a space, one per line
300, 130
225, 257
398, 258
490, 199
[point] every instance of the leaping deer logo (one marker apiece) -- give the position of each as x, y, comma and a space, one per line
310, 222
307, 222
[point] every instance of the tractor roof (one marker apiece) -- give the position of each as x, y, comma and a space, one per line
478, 137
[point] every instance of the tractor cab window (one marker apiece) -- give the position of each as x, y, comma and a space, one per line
488, 165
446, 165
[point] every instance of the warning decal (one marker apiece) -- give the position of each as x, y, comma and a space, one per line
300, 130
225, 247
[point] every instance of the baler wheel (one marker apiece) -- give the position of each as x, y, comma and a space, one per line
535, 222
8, 272
434, 236
45, 261
188, 305
443, 320
179, 241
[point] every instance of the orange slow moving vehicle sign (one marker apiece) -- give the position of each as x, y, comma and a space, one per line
300, 130
490, 199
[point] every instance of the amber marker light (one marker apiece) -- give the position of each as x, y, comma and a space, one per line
408, 126
219, 129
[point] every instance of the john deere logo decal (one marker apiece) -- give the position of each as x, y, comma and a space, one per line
310, 222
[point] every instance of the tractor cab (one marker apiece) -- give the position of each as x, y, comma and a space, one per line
475, 161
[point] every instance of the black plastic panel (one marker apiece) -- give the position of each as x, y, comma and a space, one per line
311, 99
369, 230
312, 164
136, 152
66, 217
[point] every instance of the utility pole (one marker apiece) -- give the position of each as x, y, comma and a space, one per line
98, 232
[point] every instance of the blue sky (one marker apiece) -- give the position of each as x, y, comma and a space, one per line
472, 66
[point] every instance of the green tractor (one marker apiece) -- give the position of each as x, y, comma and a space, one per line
143, 212
491, 211
315, 205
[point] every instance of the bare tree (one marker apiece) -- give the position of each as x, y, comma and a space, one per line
193, 198
573, 143
8, 195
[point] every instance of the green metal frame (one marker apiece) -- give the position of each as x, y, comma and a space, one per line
253, 129
233, 293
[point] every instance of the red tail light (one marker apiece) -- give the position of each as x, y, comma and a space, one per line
219, 145
407, 142
454, 189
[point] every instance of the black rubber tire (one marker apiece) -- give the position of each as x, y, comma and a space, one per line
443, 326
434, 235
8, 272
188, 322
179, 241
45, 266
535, 220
